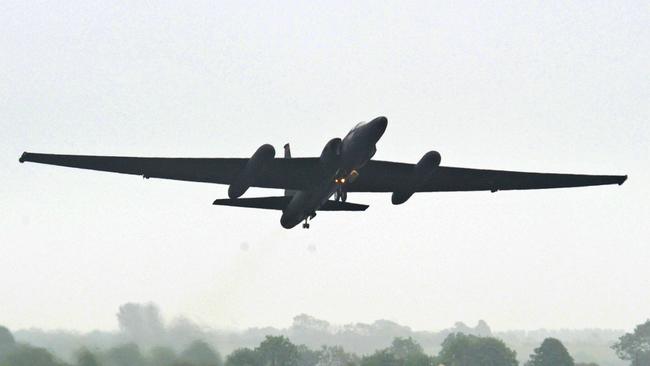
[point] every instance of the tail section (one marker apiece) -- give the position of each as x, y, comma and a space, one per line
287, 155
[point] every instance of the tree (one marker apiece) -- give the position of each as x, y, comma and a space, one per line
277, 351
7, 341
243, 357
86, 358
467, 350
380, 358
124, 355
635, 346
402, 352
141, 323
6, 338
23, 355
402, 348
336, 356
307, 357
551, 353
183, 331
409, 353
200, 353
308, 322
162, 356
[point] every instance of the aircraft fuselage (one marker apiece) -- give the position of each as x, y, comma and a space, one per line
355, 150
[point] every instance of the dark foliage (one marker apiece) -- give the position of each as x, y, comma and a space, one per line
551, 353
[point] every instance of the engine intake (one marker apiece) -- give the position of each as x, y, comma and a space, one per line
252, 170
421, 173
330, 158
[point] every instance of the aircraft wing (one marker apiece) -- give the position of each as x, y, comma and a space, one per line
295, 173
303, 173
386, 176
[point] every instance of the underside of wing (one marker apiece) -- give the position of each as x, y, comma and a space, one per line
385, 176
464, 179
295, 173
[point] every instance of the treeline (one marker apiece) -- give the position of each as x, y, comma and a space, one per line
143, 325
457, 349
198, 353
145, 339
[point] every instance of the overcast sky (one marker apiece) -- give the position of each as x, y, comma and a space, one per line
545, 86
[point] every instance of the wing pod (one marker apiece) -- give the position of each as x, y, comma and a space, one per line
421, 173
253, 168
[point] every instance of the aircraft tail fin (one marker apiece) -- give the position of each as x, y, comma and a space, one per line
287, 155
280, 202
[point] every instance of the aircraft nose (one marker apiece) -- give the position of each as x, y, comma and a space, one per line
378, 126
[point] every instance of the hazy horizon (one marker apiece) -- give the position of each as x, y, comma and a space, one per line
170, 319
547, 87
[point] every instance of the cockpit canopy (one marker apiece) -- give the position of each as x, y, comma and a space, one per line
355, 127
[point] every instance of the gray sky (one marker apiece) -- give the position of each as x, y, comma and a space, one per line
547, 86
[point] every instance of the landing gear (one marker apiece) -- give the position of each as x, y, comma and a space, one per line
305, 225
341, 194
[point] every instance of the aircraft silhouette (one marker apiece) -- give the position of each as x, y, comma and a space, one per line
344, 166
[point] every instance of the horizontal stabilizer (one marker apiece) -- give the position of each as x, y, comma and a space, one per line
342, 206
268, 203
280, 202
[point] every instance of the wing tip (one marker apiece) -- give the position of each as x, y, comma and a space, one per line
23, 157
622, 179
